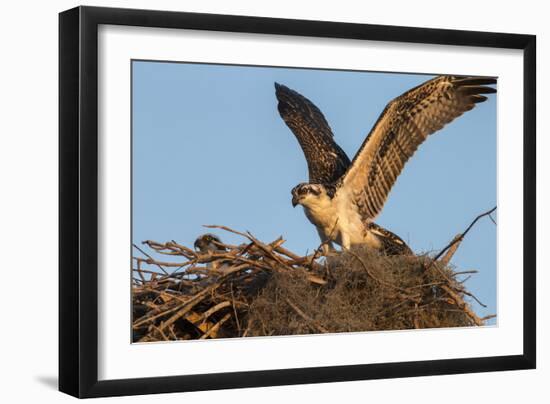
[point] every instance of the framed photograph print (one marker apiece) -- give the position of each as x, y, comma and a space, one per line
251, 201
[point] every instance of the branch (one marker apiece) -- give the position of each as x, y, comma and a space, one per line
148, 256
460, 237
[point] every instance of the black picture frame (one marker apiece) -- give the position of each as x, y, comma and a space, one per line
78, 196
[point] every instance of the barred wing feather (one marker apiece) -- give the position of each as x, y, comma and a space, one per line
326, 161
404, 124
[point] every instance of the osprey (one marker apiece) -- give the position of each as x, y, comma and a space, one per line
343, 197
209, 244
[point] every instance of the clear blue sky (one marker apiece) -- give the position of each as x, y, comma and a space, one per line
209, 147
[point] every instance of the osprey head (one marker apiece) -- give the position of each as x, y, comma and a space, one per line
207, 242
307, 194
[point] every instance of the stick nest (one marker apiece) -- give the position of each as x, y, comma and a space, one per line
262, 289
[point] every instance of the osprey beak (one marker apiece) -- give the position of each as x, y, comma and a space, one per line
295, 201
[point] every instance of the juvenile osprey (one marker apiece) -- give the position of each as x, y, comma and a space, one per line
342, 198
210, 243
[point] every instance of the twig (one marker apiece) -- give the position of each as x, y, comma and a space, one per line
148, 256
214, 309
312, 322
465, 279
461, 236
473, 297
216, 327
235, 309
325, 242
473, 271
444, 261
162, 334
257, 242
462, 305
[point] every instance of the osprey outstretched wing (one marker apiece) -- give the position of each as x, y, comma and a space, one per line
326, 161
404, 124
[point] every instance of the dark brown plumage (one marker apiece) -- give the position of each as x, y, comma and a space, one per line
326, 161
392, 244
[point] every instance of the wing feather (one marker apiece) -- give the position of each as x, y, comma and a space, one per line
404, 124
326, 161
